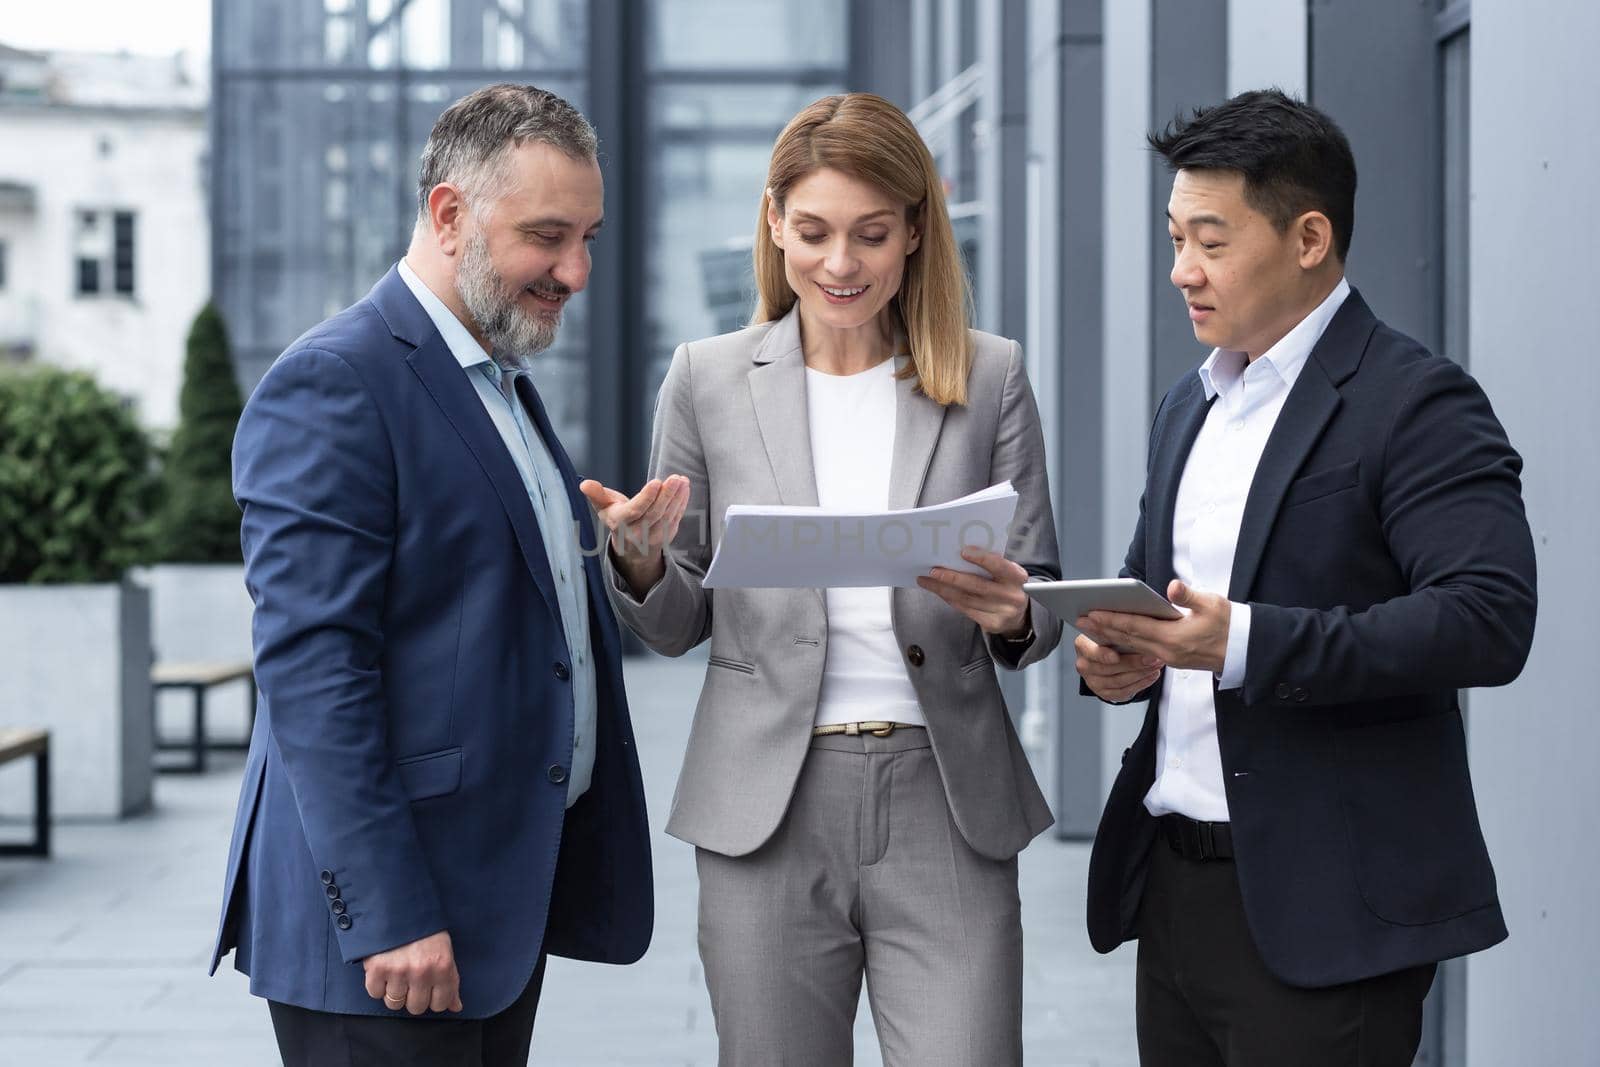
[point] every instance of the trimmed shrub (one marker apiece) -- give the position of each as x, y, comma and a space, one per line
199, 521
77, 480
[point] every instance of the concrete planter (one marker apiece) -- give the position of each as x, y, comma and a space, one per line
200, 612
75, 659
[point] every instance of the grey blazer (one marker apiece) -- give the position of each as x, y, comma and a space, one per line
731, 416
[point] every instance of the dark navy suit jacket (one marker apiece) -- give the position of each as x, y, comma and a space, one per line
407, 770
1388, 563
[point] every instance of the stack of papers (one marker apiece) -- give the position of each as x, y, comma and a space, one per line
774, 546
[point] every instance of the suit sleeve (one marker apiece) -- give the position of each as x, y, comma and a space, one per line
1451, 508
1019, 456
315, 479
675, 614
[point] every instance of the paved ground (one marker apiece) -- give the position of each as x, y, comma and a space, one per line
103, 948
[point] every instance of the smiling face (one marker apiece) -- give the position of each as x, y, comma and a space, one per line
525, 253
1246, 283
845, 244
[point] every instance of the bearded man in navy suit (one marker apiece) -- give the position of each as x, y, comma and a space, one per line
442, 788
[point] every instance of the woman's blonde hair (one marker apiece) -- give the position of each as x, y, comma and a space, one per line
867, 137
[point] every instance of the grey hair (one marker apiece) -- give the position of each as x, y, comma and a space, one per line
471, 140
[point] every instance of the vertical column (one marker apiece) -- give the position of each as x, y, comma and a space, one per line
880, 62
1189, 55
1125, 307
1080, 461
1372, 68
616, 343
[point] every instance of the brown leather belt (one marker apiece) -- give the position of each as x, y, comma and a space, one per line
876, 729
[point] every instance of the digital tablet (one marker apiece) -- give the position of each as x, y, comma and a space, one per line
1074, 599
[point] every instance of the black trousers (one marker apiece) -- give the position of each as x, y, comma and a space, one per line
309, 1038
1206, 999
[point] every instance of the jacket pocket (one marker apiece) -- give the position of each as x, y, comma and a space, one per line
732, 665
1416, 847
432, 774
976, 665
1323, 483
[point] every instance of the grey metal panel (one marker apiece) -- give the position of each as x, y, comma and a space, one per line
1065, 123
1002, 171
614, 341
1001, 162
1125, 322
1372, 70
1535, 149
880, 62
1189, 69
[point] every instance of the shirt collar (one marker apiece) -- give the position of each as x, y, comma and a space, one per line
1288, 357
463, 346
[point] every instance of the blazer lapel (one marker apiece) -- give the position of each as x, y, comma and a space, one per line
1306, 411
1170, 454
917, 422
778, 391
445, 381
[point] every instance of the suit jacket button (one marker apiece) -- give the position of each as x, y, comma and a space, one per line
1284, 691
1300, 696
345, 922
332, 891
562, 672
914, 654
327, 877
557, 773
338, 906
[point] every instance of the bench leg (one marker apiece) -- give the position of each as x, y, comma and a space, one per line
41, 802
196, 746
199, 765
40, 845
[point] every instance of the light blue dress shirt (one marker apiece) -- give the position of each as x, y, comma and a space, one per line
557, 525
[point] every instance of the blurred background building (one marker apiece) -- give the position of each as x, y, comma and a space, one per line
104, 245
1471, 173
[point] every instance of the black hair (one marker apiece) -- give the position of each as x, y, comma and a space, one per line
1293, 157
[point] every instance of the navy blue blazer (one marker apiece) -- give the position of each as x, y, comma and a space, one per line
407, 770
1388, 564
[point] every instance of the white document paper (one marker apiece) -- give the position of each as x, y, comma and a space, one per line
775, 546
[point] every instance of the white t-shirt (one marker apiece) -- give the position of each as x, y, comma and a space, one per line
852, 445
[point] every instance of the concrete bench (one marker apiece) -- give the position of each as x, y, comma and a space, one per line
16, 743
198, 678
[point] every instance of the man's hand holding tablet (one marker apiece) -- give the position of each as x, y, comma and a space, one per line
1187, 630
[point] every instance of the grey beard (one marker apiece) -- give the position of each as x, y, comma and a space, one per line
514, 335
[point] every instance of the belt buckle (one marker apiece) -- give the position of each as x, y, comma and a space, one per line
884, 731
1208, 840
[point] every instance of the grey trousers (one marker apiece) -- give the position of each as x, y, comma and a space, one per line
867, 875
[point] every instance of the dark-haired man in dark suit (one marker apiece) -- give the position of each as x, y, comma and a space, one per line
1293, 838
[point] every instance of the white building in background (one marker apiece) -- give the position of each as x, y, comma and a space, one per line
104, 230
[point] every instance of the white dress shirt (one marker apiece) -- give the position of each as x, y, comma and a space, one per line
851, 418
558, 528
1246, 400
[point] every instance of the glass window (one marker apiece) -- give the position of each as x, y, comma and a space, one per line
745, 34
122, 253
712, 120
103, 252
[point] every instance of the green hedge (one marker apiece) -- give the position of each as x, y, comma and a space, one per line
199, 521
77, 480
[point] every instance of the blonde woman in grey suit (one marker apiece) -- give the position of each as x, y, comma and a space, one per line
853, 785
